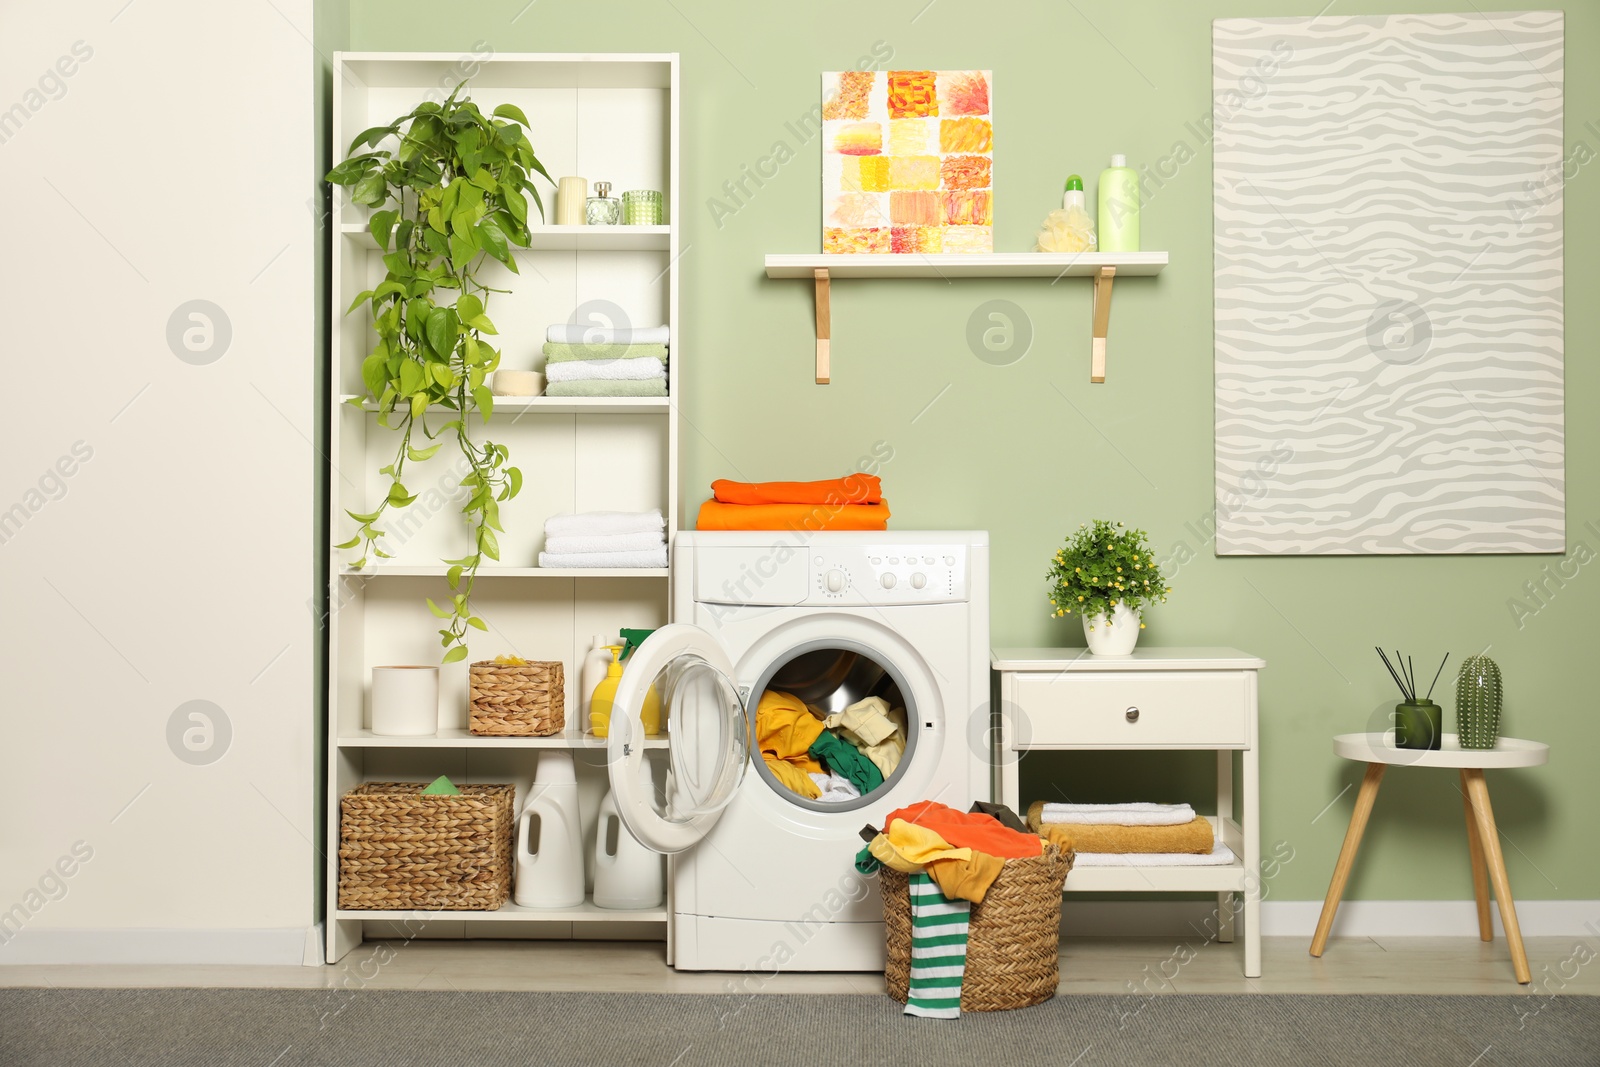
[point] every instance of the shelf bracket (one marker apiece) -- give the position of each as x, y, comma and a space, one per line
824, 323
1102, 322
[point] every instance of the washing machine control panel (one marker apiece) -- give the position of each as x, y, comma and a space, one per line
889, 574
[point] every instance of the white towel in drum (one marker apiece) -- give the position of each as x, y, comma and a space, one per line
574, 333
1118, 814
608, 370
633, 542
1220, 856
586, 523
652, 558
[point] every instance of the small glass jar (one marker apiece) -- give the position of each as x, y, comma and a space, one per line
642, 207
602, 208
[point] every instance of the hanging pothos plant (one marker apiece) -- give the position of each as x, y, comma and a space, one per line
447, 196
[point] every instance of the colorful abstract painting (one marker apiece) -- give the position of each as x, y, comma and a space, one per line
907, 161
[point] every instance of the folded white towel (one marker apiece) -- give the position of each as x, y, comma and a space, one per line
1118, 814
611, 370
655, 557
634, 542
1220, 856
586, 523
574, 333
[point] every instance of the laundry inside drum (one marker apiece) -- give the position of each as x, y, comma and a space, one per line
832, 728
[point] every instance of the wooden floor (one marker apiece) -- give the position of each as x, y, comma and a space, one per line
1135, 967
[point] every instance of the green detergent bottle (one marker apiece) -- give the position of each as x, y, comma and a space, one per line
1119, 207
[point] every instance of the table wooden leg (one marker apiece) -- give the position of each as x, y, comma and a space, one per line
1480, 873
1478, 797
1347, 854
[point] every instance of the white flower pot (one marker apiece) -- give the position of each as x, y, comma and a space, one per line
1113, 637
405, 701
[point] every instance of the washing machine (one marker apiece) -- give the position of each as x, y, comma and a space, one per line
762, 879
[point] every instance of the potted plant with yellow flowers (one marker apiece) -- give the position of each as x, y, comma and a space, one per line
1105, 574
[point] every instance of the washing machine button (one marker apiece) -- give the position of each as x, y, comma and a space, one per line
894, 560
834, 580
919, 580
888, 580
949, 561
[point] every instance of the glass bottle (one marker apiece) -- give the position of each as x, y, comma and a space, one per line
642, 207
603, 209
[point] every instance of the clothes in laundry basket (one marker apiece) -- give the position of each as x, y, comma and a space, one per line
939, 929
844, 759
982, 832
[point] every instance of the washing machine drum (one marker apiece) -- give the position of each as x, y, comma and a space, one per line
832, 726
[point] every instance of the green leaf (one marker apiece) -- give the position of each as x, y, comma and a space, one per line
516, 205
371, 190
493, 240
353, 542
455, 655
398, 495
438, 612
484, 180
422, 455
442, 331
488, 543
469, 307
484, 401
382, 225
419, 405
412, 377
366, 294
375, 373
371, 516
513, 112
453, 576
462, 251
474, 621
371, 136
513, 483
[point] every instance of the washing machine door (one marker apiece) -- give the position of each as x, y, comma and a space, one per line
691, 675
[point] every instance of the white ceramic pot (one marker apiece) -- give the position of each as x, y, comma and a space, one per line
1113, 637
405, 701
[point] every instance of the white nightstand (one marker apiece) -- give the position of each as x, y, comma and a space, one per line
1157, 698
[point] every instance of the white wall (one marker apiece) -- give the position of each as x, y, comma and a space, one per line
163, 550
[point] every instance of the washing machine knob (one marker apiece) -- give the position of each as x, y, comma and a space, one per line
834, 580
919, 580
888, 580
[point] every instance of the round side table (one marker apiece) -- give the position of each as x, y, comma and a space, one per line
1378, 752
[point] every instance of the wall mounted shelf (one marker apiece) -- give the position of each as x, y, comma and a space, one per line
562, 238
557, 405
1103, 267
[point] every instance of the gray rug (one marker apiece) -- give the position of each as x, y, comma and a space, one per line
291, 1027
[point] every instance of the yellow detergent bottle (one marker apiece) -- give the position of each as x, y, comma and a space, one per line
605, 695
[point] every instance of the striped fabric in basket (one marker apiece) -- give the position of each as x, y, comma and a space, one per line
938, 950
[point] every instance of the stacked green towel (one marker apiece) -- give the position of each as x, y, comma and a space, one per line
555, 352
938, 950
608, 387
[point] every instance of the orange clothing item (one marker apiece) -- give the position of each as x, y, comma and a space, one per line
979, 832
715, 515
968, 879
785, 729
851, 489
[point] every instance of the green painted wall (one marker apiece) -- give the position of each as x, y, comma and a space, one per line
1029, 450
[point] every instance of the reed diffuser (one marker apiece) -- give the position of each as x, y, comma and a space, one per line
1418, 721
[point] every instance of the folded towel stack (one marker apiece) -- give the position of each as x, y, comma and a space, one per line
605, 539
605, 360
1109, 835
854, 502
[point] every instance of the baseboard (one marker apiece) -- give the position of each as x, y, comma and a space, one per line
284, 947
1298, 918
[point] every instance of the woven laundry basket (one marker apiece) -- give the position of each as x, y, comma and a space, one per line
517, 700
1013, 937
400, 849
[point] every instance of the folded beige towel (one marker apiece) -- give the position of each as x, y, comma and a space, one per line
1194, 837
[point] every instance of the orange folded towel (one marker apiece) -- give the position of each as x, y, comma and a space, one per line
715, 515
851, 489
1196, 837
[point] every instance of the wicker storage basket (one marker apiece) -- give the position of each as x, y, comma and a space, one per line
522, 700
399, 849
1013, 937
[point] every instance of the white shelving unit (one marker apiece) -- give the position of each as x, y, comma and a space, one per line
608, 118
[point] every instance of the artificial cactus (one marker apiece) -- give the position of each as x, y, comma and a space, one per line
1478, 700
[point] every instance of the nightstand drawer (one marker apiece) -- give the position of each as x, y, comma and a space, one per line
1203, 709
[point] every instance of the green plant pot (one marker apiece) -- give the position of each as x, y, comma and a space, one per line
1418, 725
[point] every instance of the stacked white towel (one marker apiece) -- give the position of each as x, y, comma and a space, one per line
1118, 814
623, 539
573, 333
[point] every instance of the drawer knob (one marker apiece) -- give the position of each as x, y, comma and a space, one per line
1133, 714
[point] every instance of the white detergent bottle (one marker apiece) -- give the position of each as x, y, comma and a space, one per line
550, 838
627, 876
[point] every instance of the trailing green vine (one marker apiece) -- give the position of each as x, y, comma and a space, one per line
448, 195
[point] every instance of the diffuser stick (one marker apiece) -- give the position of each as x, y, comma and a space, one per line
1384, 656
1436, 675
